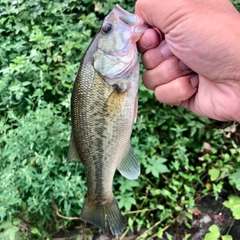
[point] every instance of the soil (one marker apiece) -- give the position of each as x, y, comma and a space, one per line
214, 212
207, 212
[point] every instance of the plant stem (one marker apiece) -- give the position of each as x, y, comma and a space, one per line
139, 211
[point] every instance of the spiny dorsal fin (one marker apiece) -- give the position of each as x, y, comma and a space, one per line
72, 152
129, 167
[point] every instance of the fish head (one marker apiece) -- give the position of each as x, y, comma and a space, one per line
116, 51
123, 25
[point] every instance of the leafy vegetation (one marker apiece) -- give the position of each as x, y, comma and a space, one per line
214, 234
182, 156
234, 204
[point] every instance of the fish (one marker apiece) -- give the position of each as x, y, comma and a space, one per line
104, 107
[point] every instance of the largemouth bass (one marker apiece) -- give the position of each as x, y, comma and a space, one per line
103, 110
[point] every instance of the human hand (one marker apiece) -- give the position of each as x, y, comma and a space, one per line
197, 65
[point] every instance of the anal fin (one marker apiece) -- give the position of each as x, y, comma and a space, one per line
129, 167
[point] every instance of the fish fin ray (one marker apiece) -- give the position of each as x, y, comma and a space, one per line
93, 214
96, 215
135, 110
129, 167
72, 152
115, 219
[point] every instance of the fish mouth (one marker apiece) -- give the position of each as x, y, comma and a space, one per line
125, 16
137, 24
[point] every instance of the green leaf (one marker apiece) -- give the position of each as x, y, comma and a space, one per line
10, 230
2, 212
126, 201
233, 204
157, 166
213, 234
227, 237
36, 231
214, 174
235, 178
160, 233
187, 236
130, 223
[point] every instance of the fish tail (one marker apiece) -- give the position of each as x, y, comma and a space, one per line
93, 214
96, 215
115, 219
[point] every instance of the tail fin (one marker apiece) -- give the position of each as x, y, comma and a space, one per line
96, 215
93, 214
115, 219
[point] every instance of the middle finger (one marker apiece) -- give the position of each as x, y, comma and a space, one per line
165, 72
153, 57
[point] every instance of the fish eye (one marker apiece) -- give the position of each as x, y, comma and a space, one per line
107, 28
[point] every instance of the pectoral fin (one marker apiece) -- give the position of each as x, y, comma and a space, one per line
72, 152
129, 167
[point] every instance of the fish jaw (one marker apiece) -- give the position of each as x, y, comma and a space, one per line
137, 24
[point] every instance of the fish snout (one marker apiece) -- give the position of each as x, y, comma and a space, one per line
137, 24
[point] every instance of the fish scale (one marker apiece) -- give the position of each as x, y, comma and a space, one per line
103, 110
94, 115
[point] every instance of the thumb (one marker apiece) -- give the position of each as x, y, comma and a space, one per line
163, 14
167, 14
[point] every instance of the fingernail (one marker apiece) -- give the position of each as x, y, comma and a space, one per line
183, 66
166, 52
194, 81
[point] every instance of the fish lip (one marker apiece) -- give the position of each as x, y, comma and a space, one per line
124, 15
138, 24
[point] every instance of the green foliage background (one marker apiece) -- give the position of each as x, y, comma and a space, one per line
42, 43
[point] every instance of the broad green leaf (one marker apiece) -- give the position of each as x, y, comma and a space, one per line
213, 234
235, 178
227, 237
214, 173
160, 233
9, 230
233, 204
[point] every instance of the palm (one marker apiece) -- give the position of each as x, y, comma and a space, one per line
217, 100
